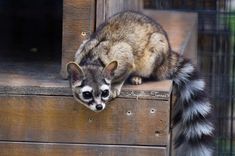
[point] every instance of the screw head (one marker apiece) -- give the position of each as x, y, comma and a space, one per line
83, 34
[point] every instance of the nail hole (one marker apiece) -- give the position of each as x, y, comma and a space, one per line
129, 113
152, 110
90, 120
83, 34
157, 133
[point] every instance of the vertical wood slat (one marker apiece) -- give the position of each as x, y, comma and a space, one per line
106, 8
78, 23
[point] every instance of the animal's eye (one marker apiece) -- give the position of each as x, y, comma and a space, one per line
105, 93
87, 95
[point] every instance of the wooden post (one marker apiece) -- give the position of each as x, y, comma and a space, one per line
78, 23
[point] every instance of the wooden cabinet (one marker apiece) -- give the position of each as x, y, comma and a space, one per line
135, 124
38, 115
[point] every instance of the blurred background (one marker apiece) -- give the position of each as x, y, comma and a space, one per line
216, 58
32, 31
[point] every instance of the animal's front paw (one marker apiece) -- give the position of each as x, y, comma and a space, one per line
115, 93
136, 80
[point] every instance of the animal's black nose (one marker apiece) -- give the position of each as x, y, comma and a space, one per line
99, 107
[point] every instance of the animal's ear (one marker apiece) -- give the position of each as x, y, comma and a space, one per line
110, 68
75, 72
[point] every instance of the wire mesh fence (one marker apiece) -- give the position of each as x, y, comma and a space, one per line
216, 57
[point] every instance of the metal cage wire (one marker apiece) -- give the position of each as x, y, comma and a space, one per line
216, 57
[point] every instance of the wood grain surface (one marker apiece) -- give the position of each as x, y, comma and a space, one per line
62, 119
43, 79
59, 149
78, 24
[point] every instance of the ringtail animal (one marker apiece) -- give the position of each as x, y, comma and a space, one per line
132, 46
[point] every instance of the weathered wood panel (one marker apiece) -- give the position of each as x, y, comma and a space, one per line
58, 149
78, 23
44, 79
62, 119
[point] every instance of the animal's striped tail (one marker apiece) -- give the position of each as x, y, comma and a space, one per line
192, 126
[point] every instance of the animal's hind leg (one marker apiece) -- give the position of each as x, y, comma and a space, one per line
136, 80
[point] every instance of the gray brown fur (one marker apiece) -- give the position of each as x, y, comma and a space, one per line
135, 41
142, 50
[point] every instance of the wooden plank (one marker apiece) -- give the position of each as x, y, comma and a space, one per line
44, 79
78, 23
62, 119
58, 149
148, 90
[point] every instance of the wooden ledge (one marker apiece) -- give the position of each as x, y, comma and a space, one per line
44, 79
148, 90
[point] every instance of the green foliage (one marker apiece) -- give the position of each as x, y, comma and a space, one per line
232, 22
